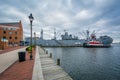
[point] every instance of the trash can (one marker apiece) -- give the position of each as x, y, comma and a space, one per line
21, 56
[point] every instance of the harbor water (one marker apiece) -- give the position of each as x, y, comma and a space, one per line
89, 63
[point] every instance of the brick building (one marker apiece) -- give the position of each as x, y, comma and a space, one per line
10, 34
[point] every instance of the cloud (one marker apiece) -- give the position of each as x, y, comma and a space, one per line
72, 15
84, 15
56, 18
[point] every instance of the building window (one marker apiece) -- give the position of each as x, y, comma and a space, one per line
15, 37
15, 32
10, 32
4, 37
10, 43
9, 28
13, 28
4, 32
10, 37
5, 28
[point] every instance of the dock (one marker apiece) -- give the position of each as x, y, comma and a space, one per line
46, 69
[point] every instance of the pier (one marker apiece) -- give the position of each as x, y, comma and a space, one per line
45, 68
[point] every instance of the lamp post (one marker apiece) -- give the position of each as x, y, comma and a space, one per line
31, 20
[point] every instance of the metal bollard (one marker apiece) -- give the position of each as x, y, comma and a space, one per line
58, 62
50, 55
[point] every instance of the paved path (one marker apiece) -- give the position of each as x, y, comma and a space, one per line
19, 70
50, 70
8, 58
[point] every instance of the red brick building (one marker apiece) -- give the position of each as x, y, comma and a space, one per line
10, 34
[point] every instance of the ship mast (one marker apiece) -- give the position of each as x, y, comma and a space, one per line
87, 35
41, 34
54, 33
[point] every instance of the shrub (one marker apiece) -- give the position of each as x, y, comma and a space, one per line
29, 49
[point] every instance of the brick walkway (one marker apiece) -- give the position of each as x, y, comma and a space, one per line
19, 70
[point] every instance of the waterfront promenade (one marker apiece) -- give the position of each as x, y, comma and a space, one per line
17, 70
8, 57
42, 67
46, 69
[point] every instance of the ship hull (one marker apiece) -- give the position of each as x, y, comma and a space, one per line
96, 46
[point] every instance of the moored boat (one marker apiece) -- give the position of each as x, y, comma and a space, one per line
95, 44
101, 42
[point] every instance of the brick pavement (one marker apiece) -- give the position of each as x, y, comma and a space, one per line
19, 70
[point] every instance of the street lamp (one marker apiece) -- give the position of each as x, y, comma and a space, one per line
31, 20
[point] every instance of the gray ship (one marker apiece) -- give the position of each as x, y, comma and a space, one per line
68, 40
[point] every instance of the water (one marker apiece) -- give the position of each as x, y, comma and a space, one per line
89, 63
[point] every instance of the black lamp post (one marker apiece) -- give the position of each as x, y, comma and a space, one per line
31, 20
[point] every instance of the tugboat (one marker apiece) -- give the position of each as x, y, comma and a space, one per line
101, 42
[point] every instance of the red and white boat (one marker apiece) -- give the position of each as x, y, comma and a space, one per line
92, 42
95, 44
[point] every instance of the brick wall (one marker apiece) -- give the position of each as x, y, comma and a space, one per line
13, 33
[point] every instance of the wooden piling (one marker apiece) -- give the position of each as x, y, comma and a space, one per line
50, 55
58, 62
46, 52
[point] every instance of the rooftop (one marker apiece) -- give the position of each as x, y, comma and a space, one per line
10, 24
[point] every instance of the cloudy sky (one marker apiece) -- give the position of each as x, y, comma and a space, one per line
74, 16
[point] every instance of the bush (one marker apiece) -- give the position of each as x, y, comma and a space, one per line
29, 49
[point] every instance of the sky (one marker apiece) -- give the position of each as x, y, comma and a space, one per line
74, 16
